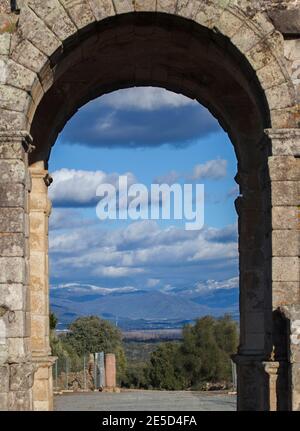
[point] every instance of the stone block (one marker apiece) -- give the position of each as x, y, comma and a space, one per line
40, 390
16, 326
29, 56
55, 16
102, 8
3, 401
12, 120
285, 243
21, 377
80, 12
229, 23
12, 270
4, 378
187, 9
279, 97
12, 244
285, 217
285, 293
285, 193
20, 401
12, 171
11, 220
284, 168
13, 98
19, 76
32, 28
38, 302
285, 269
17, 348
167, 6
286, 21
123, 6
13, 296
4, 43
145, 5
11, 150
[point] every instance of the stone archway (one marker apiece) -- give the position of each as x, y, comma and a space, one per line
59, 54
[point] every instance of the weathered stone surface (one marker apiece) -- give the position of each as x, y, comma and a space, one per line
284, 168
167, 6
12, 244
80, 12
102, 8
52, 12
13, 296
34, 30
285, 193
12, 270
4, 378
285, 269
11, 220
29, 56
19, 401
285, 217
285, 292
19, 76
4, 43
286, 21
13, 98
285, 243
145, 5
21, 377
285, 142
12, 171
12, 195
123, 6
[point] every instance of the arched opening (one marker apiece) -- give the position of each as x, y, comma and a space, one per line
171, 52
230, 59
147, 277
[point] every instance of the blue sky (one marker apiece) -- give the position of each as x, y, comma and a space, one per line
153, 136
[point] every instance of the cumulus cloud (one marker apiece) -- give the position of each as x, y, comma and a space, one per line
139, 117
76, 188
212, 169
142, 255
231, 283
145, 98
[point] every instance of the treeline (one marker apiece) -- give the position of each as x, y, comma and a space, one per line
203, 354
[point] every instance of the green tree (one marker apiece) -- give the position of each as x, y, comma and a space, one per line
165, 369
52, 321
91, 334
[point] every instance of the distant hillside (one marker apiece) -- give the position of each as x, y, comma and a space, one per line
142, 309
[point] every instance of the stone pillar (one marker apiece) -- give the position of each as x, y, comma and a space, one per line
284, 171
110, 370
16, 368
40, 208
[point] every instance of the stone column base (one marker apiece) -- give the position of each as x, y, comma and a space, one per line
43, 384
262, 385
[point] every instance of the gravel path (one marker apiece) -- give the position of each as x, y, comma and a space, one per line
146, 401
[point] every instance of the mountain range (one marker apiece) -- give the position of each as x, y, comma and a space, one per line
132, 308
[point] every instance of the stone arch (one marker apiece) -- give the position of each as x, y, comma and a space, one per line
229, 57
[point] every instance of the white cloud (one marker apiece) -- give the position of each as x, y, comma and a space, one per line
212, 169
231, 283
73, 187
145, 98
